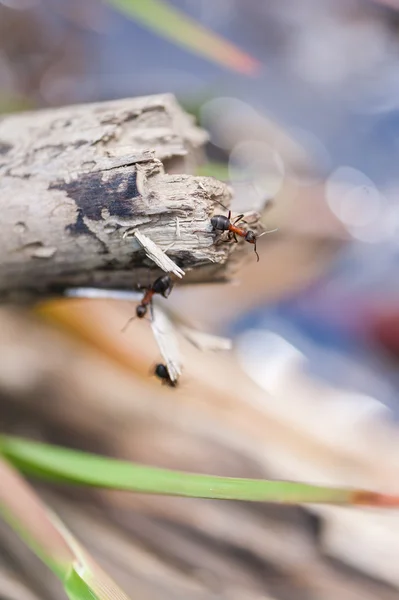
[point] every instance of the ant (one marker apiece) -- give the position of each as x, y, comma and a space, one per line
223, 223
163, 286
161, 371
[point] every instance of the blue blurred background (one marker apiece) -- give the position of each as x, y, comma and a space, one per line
301, 99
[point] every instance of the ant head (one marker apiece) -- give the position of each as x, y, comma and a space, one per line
161, 371
141, 311
250, 237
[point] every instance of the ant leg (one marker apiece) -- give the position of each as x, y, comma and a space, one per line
239, 218
220, 240
235, 238
221, 204
202, 231
126, 325
227, 240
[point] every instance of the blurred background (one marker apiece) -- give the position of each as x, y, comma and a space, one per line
301, 102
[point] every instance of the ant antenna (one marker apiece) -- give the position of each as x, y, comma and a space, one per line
126, 325
257, 237
221, 204
268, 231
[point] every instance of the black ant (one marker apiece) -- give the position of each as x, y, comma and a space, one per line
161, 371
223, 223
163, 286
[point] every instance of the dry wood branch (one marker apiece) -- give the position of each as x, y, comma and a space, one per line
74, 180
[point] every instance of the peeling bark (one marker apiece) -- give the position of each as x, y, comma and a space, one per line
75, 180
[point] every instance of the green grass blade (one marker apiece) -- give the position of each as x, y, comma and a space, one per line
77, 589
85, 579
172, 24
21, 508
74, 467
47, 536
84, 584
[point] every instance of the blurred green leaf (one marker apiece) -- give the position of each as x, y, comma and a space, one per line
74, 467
21, 508
215, 169
9, 104
77, 589
47, 536
84, 584
172, 24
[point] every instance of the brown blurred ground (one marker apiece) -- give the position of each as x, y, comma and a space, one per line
103, 399
217, 422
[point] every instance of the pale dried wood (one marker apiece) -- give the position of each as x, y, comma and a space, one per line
75, 180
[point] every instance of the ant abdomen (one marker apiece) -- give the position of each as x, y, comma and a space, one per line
220, 222
163, 286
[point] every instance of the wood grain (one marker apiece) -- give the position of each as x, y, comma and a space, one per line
75, 180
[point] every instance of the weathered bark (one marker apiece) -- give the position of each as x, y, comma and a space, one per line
73, 180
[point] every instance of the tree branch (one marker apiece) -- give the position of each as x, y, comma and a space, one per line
75, 180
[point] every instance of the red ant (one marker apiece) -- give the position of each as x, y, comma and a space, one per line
161, 371
223, 223
163, 286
